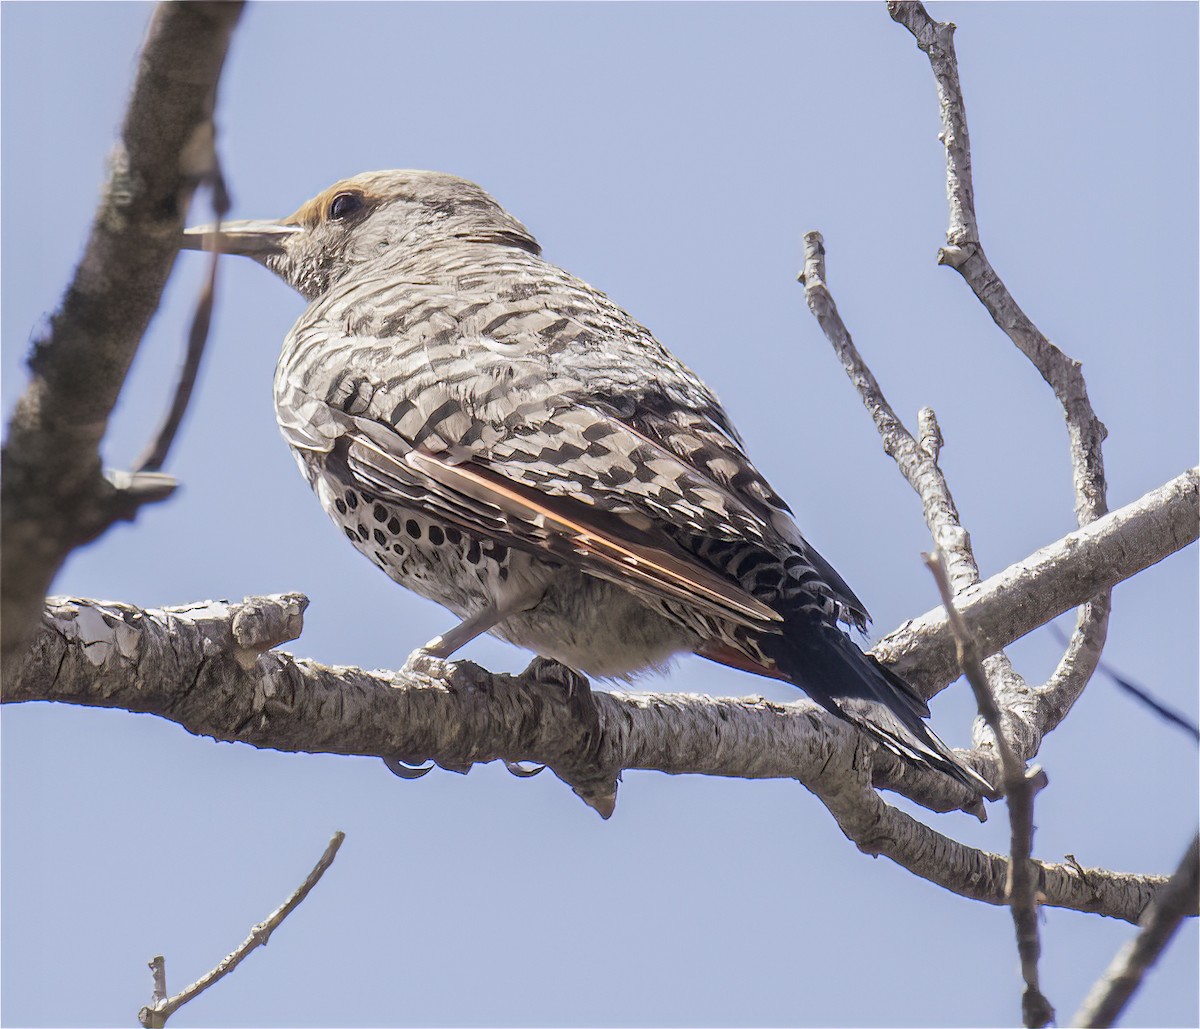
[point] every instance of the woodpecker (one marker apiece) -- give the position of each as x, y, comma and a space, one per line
501, 438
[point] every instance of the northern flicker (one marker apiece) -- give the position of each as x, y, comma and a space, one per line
503, 439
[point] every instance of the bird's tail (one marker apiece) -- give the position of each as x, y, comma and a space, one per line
822, 661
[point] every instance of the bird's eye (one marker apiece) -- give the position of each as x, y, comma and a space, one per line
344, 205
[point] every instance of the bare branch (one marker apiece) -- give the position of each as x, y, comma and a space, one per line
930, 433
53, 495
203, 667
916, 464
155, 454
1028, 713
191, 664
917, 461
1142, 696
879, 829
158, 969
1021, 787
964, 253
176, 663
1177, 899
155, 1014
1056, 578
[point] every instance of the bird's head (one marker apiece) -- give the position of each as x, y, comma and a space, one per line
362, 219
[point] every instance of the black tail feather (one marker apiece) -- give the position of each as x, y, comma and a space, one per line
822, 661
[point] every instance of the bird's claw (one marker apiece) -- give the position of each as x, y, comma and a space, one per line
523, 771
554, 673
405, 770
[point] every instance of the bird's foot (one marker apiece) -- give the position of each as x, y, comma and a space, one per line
424, 665
577, 691
554, 673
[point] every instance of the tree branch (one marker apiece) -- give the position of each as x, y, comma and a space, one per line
917, 463
206, 667
1021, 787
53, 496
155, 1014
879, 829
198, 667
1014, 602
1045, 707
200, 664
155, 454
1171, 904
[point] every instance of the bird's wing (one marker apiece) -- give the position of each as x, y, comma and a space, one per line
553, 407
472, 496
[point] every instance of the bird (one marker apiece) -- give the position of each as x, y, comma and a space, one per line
503, 439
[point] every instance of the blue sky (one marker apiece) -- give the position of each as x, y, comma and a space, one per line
672, 155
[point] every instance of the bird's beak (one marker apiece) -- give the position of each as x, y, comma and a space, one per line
257, 239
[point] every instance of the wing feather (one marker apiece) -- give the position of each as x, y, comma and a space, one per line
544, 405
479, 500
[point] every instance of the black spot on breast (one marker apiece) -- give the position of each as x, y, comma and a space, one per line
436, 536
398, 548
351, 499
363, 531
340, 504
394, 526
380, 513
351, 534
380, 537
453, 537
474, 554
498, 553
413, 529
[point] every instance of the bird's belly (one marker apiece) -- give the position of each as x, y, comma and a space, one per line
591, 625
596, 627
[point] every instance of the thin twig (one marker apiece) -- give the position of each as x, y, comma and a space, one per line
917, 461
155, 1014
158, 969
1142, 696
1020, 788
155, 454
1112, 991
918, 466
964, 252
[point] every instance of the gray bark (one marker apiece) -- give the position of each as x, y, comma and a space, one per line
53, 495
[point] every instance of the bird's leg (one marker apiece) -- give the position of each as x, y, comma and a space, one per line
430, 659
446, 644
